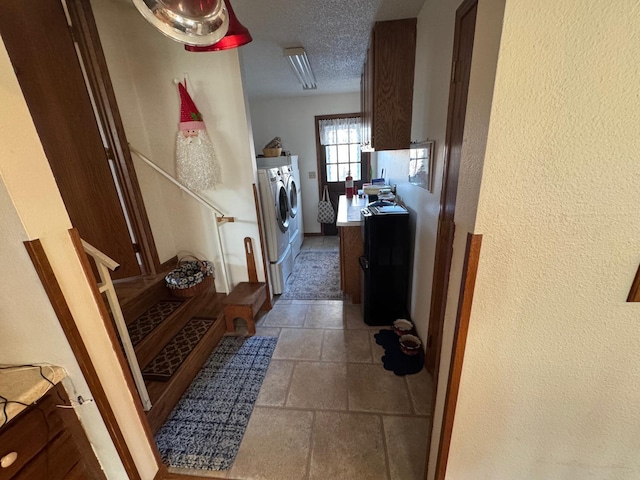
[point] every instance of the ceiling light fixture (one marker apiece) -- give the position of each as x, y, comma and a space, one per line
194, 22
299, 62
236, 36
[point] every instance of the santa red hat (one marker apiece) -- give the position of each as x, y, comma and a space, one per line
190, 117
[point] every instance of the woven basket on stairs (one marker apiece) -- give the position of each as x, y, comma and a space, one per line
190, 277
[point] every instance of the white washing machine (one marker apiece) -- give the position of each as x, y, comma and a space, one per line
292, 182
275, 217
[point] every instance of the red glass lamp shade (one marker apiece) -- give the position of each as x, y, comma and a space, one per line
236, 36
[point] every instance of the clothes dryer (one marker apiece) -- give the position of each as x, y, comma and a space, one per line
275, 216
291, 182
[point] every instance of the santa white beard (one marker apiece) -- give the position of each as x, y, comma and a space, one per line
196, 165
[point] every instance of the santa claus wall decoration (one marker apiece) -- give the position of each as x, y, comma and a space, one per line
196, 165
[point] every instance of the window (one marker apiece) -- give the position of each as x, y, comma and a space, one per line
421, 164
339, 140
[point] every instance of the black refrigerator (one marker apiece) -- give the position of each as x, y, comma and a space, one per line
385, 264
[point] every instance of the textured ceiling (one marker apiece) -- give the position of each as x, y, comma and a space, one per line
335, 34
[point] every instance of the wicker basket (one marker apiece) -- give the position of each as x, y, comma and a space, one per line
189, 277
192, 291
271, 152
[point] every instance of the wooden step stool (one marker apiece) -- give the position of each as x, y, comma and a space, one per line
247, 298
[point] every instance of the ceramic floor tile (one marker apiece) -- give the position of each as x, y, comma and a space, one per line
406, 445
324, 316
318, 385
376, 350
267, 331
347, 446
346, 346
190, 472
421, 391
275, 446
282, 302
374, 389
298, 344
276, 384
317, 302
286, 316
353, 318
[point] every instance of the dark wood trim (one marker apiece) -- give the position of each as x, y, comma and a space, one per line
113, 337
269, 302
58, 302
86, 36
313, 234
465, 302
444, 236
169, 264
634, 294
161, 473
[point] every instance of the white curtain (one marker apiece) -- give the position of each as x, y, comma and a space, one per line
340, 131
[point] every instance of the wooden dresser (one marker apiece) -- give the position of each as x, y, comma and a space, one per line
47, 442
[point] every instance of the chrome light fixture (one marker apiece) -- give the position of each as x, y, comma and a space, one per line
299, 62
193, 22
236, 36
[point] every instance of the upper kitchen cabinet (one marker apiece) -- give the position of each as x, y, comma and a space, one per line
387, 85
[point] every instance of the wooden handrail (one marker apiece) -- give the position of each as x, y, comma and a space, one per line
203, 201
98, 256
185, 189
105, 285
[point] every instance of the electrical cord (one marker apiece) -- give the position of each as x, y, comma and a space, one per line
5, 401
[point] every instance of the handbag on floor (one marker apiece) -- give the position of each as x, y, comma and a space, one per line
326, 214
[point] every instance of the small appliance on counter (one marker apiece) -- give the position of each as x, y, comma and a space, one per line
385, 263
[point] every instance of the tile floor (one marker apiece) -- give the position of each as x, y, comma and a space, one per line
327, 408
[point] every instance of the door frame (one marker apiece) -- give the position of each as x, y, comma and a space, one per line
446, 226
442, 268
85, 35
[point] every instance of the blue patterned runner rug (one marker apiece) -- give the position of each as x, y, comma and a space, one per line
205, 429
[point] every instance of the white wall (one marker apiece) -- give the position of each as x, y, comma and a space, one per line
142, 65
550, 385
435, 34
434, 47
31, 208
292, 119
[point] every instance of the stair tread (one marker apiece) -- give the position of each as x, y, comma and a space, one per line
174, 353
128, 289
151, 318
165, 395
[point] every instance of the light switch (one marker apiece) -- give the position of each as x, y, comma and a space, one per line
312, 174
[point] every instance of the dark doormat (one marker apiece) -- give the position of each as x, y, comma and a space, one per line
393, 358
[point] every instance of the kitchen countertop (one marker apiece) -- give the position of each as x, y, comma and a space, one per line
25, 384
349, 210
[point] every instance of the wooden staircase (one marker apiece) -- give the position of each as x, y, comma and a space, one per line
154, 318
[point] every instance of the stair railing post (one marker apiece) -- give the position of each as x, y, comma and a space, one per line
225, 273
105, 285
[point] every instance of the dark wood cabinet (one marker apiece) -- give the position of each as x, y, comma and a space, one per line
47, 442
386, 87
